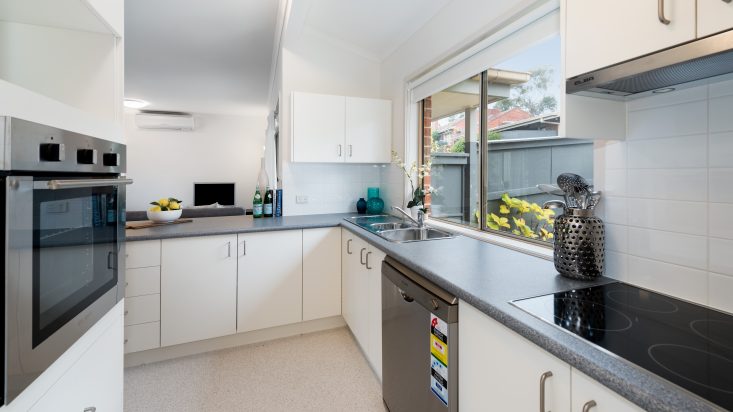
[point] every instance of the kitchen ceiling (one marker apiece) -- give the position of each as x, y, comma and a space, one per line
203, 57
376, 27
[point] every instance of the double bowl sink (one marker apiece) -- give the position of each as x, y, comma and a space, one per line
398, 230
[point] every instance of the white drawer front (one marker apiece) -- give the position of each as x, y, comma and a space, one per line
142, 281
142, 309
142, 337
142, 254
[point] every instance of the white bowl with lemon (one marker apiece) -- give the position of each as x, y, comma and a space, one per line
165, 210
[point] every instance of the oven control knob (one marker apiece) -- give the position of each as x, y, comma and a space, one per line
52, 152
86, 156
111, 159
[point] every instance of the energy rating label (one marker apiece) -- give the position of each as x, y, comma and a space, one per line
439, 358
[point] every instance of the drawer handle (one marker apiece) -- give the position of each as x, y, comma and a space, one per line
367, 260
348, 246
660, 12
244, 248
126, 312
125, 341
588, 405
543, 379
361, 256
339, 151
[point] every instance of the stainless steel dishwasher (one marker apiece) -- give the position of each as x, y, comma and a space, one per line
419, 342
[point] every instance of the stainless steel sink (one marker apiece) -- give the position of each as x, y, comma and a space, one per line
379, 227
414, 234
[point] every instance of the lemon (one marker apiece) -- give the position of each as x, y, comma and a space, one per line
174, 206
163, 202
155, 209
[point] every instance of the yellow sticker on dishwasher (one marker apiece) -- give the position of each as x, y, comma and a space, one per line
439, 339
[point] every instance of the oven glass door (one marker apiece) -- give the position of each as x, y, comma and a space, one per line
75, 244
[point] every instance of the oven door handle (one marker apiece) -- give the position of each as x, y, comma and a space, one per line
77, 183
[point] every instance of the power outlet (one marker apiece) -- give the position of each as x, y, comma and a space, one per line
301, 199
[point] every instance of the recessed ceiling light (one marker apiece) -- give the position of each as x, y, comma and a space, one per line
135, 103
665, 90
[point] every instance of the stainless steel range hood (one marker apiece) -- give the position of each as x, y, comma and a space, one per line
657, 72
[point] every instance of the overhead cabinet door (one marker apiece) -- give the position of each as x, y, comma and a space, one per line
714, 16
368, 130
600, 33
318, 127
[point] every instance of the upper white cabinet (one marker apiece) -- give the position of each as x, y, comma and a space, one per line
270, 279
63, 64
499, 368
713, 16
600, 33
337, 129
198, 291
368, 130
318, 128
321, 273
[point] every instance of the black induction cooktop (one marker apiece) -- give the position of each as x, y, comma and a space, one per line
687, 344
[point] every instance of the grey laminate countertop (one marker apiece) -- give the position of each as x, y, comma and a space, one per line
487, 277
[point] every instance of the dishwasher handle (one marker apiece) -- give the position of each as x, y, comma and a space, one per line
406, 288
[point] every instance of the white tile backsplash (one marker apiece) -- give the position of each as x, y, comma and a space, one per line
678, 152
676, 120
721, 149
721, 185
672, 184
670, 221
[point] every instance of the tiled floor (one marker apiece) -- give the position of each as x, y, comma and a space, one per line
323, 371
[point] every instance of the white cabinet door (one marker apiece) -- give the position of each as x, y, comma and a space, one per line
355, 297
600, 33
368, 130
347, 277
94, 381
587, 390
269, 288
373, 268
198, 292
317, 127
713, 16
321, 273
142, 254
501, 371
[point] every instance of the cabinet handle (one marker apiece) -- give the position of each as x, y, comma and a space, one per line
660, 12
543, 378
126, 312
90, 409
244, 247
367, 260
361, 256
590, 404
229, 249
348, 246
125, 341
351, 148
339, 150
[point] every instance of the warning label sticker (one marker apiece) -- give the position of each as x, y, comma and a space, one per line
439, 358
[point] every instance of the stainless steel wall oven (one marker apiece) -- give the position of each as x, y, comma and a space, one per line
64, 218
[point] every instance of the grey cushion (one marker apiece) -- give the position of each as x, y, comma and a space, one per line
190, 213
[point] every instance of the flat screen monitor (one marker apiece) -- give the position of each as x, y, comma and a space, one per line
209, 193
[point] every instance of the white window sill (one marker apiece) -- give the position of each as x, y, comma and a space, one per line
503, 241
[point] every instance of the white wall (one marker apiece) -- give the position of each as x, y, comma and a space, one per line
669, 196
429, 46
167, 163
318, 64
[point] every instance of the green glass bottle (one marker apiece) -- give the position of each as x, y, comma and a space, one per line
267, 209
257, 204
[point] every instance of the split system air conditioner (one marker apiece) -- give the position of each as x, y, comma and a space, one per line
165, 121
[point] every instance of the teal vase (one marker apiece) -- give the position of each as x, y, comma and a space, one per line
375, 204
